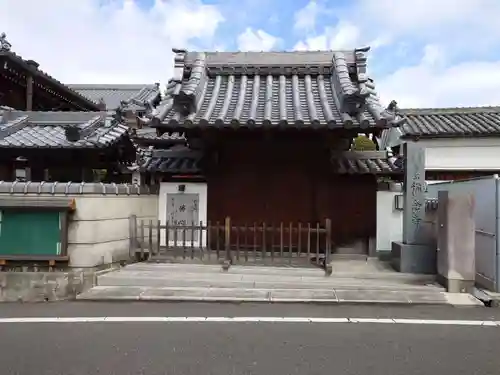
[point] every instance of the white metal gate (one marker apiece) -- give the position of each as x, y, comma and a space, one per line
486, 194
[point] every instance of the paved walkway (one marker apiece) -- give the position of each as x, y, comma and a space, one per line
351, 282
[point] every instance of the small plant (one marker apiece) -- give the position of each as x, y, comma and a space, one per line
99, 175
363, 143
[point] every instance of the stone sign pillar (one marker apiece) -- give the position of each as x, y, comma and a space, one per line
414, 254
413, 192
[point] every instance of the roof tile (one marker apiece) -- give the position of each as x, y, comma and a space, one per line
149, 135
173, 161
20, 129
133, 97
358, 162
445, 122
272, 89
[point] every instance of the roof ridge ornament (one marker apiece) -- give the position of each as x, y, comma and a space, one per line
72, 133
185, 99
118, 115
362, 49
5, 46
393, 115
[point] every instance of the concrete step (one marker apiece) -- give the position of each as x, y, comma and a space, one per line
238, 295
348, 256
265, 282
256, 278
353, 271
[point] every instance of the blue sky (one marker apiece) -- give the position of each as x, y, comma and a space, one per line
425, 53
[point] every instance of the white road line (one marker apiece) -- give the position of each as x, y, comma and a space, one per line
244, 319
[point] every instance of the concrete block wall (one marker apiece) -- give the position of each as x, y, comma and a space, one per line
99, 228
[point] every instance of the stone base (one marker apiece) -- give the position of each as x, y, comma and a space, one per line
47, 286
421, 259
456, 285
384, 255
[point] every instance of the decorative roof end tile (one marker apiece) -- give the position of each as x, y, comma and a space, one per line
392, 114
5, 46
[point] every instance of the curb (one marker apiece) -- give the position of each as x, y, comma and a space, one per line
242, 300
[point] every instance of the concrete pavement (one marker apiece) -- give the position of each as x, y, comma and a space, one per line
246, 348
351, 282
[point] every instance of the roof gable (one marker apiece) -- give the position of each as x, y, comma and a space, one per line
129, 96
20, 129
32, 67
325, 88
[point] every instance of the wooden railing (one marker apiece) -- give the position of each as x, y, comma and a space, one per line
282, 243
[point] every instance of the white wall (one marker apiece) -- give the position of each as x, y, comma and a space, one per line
389, 220
99, 229
199, 188
462, 154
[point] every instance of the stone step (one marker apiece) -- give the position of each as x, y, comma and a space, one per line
341, 269
347, 257
283, 277
269, 283
154, 277
238, 295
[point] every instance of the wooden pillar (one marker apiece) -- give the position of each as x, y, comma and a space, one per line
29, 84
29, 93
227, 243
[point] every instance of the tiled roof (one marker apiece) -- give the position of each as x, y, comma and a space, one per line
173, 161
133, 97
365, 162
32, 67
149, 135
288, 89
73, 188
20, 129
454, 122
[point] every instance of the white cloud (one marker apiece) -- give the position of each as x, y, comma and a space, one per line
256, 40
305, 18
464, 26
429, 16
344, 35
449, 28
432, 84
113, 41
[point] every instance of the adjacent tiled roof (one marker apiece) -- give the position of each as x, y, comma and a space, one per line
133, 97
365, 162
20, 129
452, 122
42, 77
288, 89
172, 161
149, 135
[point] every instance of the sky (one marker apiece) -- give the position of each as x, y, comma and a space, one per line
424, 53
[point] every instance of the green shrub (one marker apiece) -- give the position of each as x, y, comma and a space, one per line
363, 143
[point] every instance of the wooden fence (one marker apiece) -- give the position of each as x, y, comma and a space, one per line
231, 243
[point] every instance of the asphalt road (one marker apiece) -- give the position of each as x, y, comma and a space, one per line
245, 348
